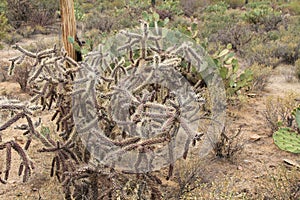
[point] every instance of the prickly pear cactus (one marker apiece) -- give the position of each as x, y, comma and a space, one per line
287, 140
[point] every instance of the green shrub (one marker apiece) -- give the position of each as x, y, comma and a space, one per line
219, 7
172, 6
264, 17
260, 53
235, 3
257, 4
3, 27
288, 45
78, 11
275, 47
3, 6
214, 21
294, 7
297, 64
12, 38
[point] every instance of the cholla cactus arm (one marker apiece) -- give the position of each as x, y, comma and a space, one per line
11, 121
8, 160
26, 163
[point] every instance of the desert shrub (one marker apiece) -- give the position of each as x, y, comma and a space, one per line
92, 39
214, 19
257, 4
78, 11
172, 6
25, 31
278, 110
230, 143
3, 28
3, 6
109, 19
100, 21
3, 22
189, 175
263, 17
189, 7
4, 65
294, 7
261, 76
12, 38
219, 7
297, 68
284, 47
21, 75
32, 12
260, 52
237, 35
185, 26
43, 12
287, 50
235, 3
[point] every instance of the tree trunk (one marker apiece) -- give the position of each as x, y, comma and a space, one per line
68, 26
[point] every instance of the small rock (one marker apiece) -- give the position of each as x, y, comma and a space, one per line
255, 137
291, 162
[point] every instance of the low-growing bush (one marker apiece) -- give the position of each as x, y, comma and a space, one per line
214, 18
261, 76
297, 68
100, 21
219, 7
3, 28
235, 3
288, 51
21, 75
230, 143
263, 17
12, 38
237, 35
189, 7
31, 12
278, 110
260, 52
294, 7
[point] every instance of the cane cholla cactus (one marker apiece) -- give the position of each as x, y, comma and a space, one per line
138, 84
130, 108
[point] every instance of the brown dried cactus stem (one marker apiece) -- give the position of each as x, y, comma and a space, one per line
68, 25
